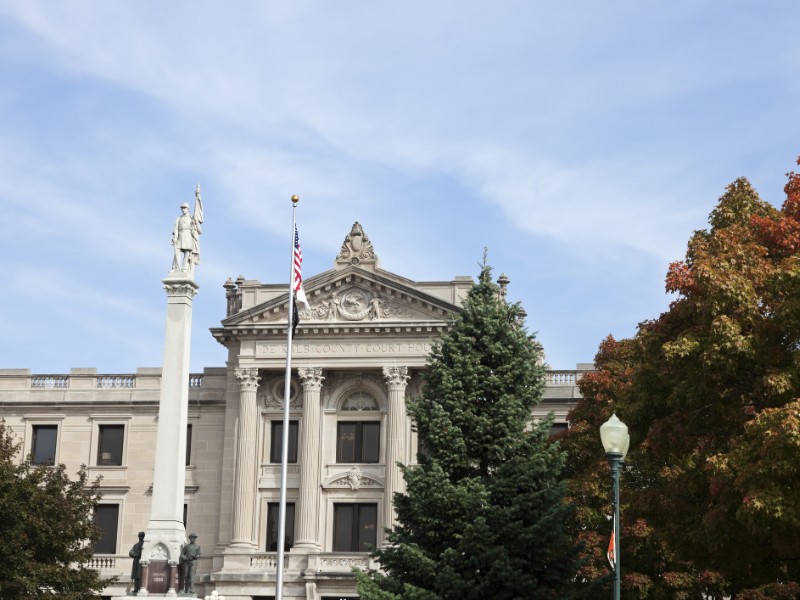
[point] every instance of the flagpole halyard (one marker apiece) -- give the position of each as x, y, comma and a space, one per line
294, 276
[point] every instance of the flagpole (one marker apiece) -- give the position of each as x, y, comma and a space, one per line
286, 397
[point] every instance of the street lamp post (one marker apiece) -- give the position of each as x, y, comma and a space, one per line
615, 438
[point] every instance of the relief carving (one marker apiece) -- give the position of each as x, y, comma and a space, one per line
354, 479
356, 248
272, 395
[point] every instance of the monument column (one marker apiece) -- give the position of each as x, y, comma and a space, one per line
169, 475
244, 487
307, 528
396, 438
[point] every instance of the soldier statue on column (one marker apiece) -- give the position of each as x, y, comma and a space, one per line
186, 236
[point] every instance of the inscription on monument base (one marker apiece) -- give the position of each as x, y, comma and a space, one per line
158, 577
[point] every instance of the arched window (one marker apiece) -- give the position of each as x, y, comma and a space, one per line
358, 432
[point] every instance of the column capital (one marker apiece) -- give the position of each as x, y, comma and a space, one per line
396, 377
248, 379
311, 378
180, 286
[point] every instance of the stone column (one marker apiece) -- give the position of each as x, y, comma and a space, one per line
396, 437
244, 486
169, 473
307, 534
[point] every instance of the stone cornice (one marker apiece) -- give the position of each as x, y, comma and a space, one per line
321, 331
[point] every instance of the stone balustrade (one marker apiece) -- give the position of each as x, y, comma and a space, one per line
563, 377
49, 382
105, 563
56, 382
553, 377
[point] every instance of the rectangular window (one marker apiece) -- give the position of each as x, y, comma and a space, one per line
185, 512
355, 527
188, 444
557, 428
106, 518
276, 441
109, 445
273, 523
358, 441
43, 444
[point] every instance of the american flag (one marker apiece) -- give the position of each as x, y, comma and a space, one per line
297, 286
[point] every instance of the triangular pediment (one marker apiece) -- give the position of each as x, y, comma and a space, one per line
352, 295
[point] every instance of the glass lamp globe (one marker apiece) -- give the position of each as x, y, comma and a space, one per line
614, 435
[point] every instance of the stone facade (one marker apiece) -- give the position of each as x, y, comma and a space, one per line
358, 354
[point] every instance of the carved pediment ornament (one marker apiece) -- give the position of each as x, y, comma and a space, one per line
352, 304
356, 248
356, 304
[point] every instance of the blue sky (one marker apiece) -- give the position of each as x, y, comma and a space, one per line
582, 143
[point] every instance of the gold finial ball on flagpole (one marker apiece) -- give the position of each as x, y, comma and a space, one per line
295, 199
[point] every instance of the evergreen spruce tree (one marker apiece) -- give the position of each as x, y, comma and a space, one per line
483, 515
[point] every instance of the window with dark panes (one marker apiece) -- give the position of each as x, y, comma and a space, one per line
109, 445
43, 444
557, 428
106, 517
358, 441
276, 441
355, 527
273, 523
188, 444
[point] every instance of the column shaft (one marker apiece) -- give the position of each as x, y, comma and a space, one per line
169, 473
396, 438
244, 488
308, 521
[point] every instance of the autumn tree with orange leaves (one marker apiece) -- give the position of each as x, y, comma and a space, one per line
711, 393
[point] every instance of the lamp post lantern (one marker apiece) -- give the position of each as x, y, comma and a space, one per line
615, 438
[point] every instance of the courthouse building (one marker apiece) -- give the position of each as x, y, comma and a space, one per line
359, 353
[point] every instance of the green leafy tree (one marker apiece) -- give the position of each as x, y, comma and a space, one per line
709, 391
47, 529
483, 515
